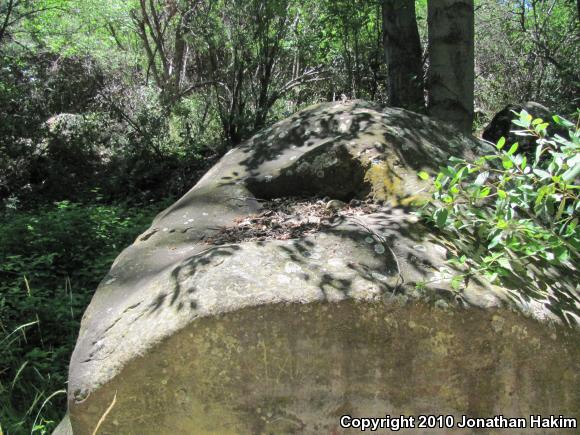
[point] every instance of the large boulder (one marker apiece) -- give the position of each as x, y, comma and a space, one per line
252, 305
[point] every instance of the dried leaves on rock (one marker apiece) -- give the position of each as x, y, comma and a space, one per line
289, 218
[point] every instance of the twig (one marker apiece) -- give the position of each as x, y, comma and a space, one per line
102, 419
400, 279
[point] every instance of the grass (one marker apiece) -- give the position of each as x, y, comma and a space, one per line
51, 260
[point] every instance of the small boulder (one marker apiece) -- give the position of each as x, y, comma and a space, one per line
334, 205
502, 126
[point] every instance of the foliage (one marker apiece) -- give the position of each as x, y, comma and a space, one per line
506, 211
527, 51
175, 82
350, 36
51, 260
117, 139
32, 88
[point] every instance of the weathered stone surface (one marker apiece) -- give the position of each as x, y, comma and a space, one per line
297, 368
284, 336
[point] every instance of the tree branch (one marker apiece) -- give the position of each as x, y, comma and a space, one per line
9, 10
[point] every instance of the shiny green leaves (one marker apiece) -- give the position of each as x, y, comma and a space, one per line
510, 209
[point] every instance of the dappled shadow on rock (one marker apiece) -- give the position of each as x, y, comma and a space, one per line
329, 149
180, 298
362, 256
540, 286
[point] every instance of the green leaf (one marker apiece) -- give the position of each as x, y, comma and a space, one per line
563, 122
505, 263
538, 153
525, 119
481, 178
561, 253
520, 123
541, 194
456, 282
500, 143
502, 224
513, 149
571, 173
458, 175
495, 241
441, 216
561, 208
484, 192
423, 175
542, 174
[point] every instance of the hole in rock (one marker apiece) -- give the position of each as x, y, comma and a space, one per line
325, 171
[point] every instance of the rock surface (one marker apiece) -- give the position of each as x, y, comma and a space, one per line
206, 326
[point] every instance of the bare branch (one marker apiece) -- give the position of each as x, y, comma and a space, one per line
195, 86
308, 76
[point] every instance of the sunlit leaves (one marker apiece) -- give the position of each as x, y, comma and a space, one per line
423, 175
513, 149
500, 212
500, 143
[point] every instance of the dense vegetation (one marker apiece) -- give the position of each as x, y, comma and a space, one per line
53, 257
513, 217
110, 108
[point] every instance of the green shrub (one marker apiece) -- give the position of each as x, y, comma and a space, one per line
51, 260
514, 217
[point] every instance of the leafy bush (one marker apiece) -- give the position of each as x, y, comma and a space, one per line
51, 260
60, 143
513, 217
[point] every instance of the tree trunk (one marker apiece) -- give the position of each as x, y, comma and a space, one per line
451, 62
403, 54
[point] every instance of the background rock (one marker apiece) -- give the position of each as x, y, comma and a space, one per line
501, 125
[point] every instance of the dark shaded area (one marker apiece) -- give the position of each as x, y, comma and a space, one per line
342, 179
403, 54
